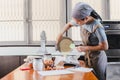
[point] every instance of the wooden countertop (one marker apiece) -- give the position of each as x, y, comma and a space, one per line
17, 74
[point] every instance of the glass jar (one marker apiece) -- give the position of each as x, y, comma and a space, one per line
47, 57
38, 64
48, 61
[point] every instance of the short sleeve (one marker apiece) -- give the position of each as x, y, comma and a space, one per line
74, 23
100, 33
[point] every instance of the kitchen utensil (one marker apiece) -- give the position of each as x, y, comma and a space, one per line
64, 45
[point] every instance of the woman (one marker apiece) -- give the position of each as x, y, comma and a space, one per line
93, 37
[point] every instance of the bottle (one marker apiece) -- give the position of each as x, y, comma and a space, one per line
43, 41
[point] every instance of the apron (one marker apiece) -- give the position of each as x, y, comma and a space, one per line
89, 38
94, 59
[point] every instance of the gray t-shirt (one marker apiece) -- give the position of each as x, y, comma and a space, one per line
100, 31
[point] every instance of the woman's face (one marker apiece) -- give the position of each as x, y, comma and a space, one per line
80, 22
88, 19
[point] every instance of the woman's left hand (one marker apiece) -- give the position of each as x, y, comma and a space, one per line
82, 48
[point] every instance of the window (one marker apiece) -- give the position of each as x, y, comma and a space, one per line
22, 21
11, 21
114, 7
48, 17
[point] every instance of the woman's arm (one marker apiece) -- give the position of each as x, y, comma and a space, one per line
101, 46
66, 27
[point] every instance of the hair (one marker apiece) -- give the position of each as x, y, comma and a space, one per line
82, 57
95, 15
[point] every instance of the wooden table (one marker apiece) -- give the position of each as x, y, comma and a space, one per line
17, 74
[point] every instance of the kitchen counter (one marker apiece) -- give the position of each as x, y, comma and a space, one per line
33, 75
30, 51
22, 51
12, 57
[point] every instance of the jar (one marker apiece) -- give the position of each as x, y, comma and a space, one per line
48, 61
47, 57
38, 64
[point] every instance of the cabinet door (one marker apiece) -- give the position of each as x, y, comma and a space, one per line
7, 64
22, 59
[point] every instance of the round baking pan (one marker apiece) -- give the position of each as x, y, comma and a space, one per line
64, 44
